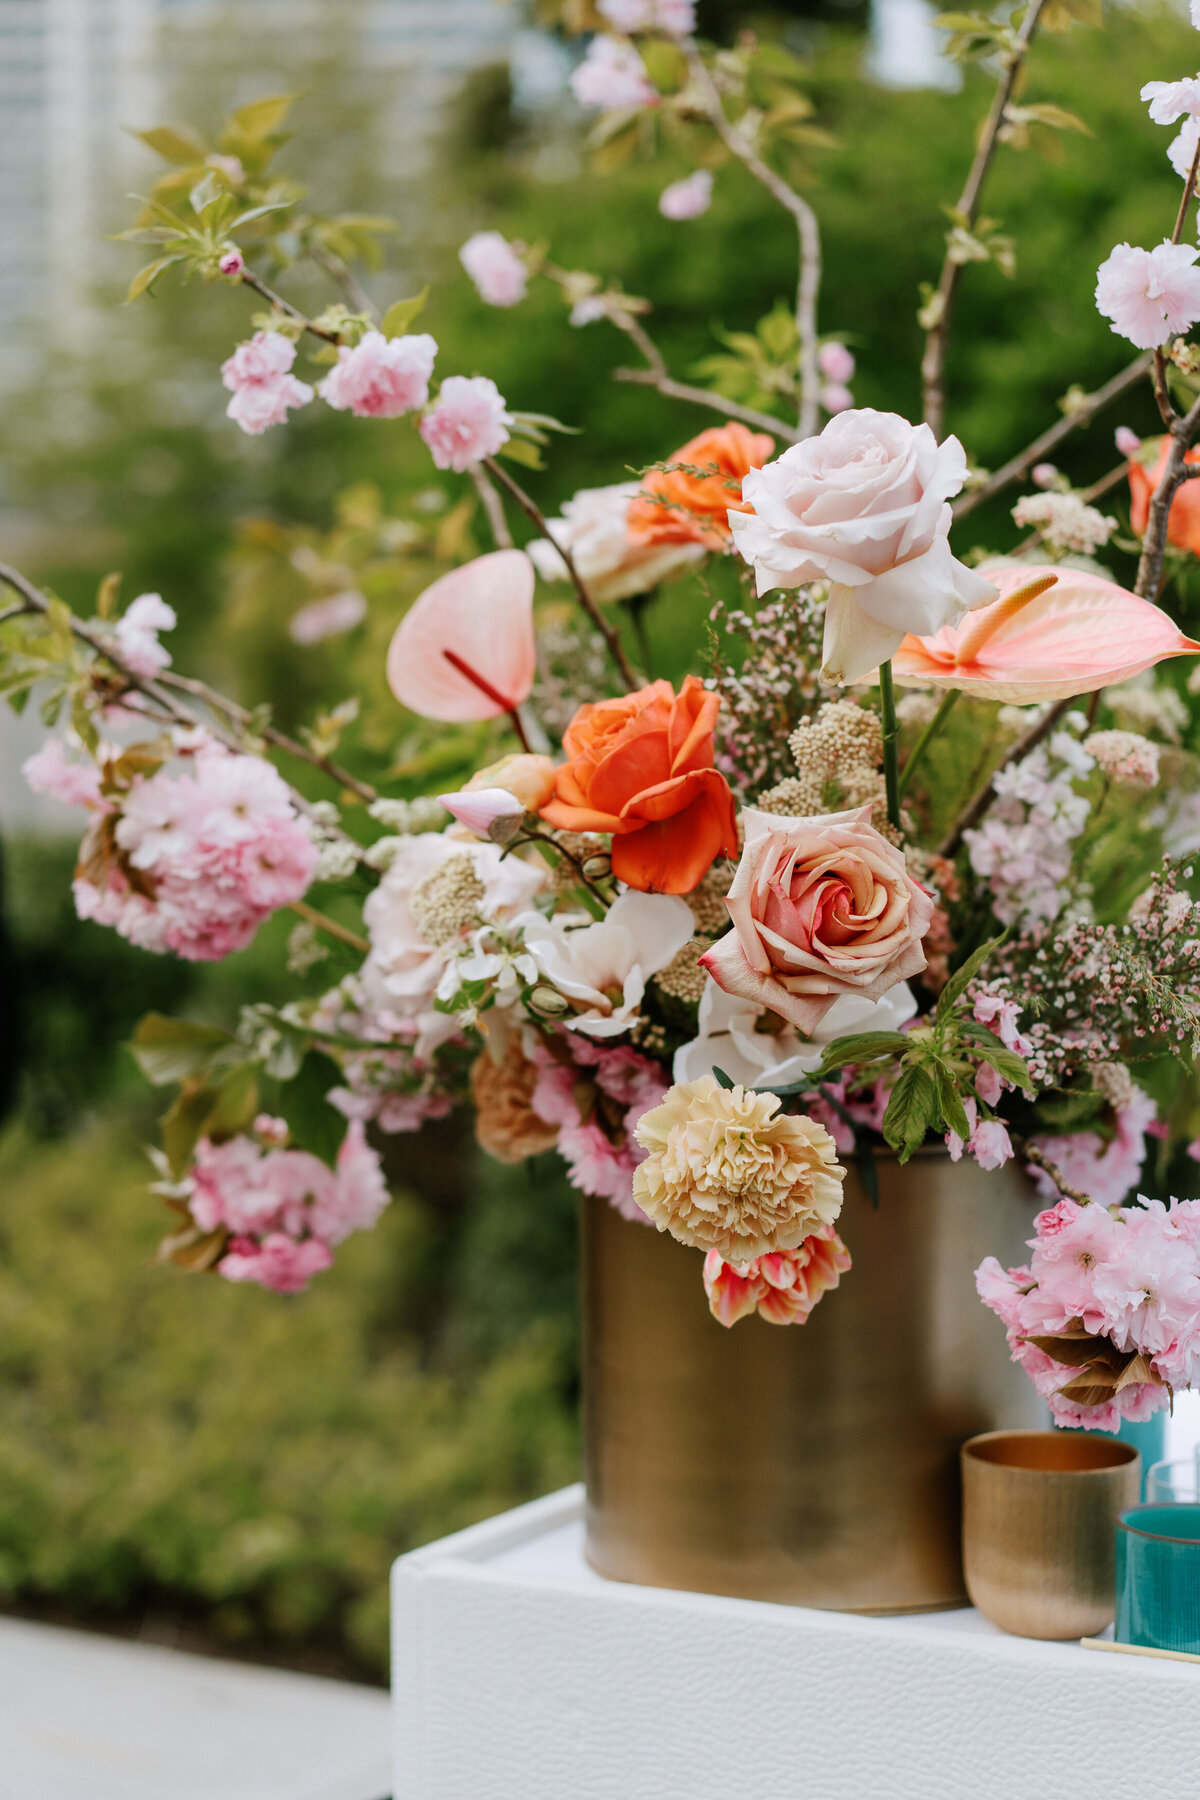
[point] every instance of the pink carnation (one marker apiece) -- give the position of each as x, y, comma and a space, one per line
1150, 294
468, 422
495, 268
258, 375
51, 771
612, 75
782, 1288
380, 378
688, 198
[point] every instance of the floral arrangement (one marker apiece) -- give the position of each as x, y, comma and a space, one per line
699, 937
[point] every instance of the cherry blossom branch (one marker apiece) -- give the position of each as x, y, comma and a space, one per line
611, 637
1080, 414
1031, 1154
975, 809
323, 922
732, 409
933, 360
807, 228
493, 507
250, 280
241, 716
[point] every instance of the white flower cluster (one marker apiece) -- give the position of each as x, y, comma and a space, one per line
1023, 848
1067, 525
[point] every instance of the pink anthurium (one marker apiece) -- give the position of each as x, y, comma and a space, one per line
1052, 633
465, 649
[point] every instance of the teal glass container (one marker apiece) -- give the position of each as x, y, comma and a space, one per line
1149, 1439
1158, 1577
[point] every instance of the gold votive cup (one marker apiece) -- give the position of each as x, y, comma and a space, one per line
1039, 1527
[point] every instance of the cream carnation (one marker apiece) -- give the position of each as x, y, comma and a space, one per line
864, 506
727, 1171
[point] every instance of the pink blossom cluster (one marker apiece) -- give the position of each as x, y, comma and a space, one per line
1104, 1169
494, 266
836, 365
284, 1210
596, 1096
136, 633
612, 75
988, 1143
406, 1080
259, 377
1130, 1277
1022, 850
782, 1288
1149, 295
199, 855
865, 1106
688, 198
468, 421
379, 377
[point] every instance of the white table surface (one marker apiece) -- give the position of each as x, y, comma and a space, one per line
85, 1717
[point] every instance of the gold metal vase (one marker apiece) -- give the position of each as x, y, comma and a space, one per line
811, 1464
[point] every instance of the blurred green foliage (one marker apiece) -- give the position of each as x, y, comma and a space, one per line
254, 1461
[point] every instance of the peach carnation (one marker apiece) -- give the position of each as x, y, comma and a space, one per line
782, 1289
727, 1171
506, 1126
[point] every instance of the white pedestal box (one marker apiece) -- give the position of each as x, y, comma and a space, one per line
519, 1674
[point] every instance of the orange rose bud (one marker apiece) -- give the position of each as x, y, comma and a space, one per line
1183, 523
641, 767
688, 509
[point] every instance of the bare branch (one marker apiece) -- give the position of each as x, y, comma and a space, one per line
1029, 740
679, 390
493, 507
933, 361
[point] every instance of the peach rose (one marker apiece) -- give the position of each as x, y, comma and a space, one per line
679, 508
820, 907
1183, 522
641, 767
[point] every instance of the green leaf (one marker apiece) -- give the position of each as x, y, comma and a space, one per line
778, 332
1071, 1111
263, 117
964, 975
862, 1046
184, 1125
1007, 1063
401, 314
910, 1111
518, 450
313, 1122
174, 143
236, 1102
722, 1078
145, 278
169, 1050
950, 1101
1057, 117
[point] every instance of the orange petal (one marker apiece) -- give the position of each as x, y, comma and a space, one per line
1080, 634
671, 855
484, 613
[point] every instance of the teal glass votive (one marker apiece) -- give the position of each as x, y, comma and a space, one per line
1158, 1577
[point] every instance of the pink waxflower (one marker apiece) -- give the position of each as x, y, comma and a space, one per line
782, 1287
259, 378
1172, 100
688, 198
836, 363
1149, 294
51, 771
612, 75
1043, 475
277, 1262
380, 378
468, 422
137, 635
495, 268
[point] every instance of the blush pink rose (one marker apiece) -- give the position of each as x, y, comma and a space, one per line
864, 505
820, 907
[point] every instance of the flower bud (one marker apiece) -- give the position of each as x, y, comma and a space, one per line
598, 867
548, 1002
231, 263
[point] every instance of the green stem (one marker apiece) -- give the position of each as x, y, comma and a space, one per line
932, 730
891, 772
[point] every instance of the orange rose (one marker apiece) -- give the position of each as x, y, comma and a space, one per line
1183, 524
641, 767
688, 509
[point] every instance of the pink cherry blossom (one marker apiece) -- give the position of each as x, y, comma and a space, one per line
835, 398
495, 268
1105, 1170
1182, 148
1149, 294
276, 1262
688, 198
137, 632
836, 363
988, 1143
322, 619
1128, 442
676, 17
469, 421
53, 772
989, 1084
1171, 100
258, 376
612, 75
632, 1082
381, 378
1001, 1016
232, 263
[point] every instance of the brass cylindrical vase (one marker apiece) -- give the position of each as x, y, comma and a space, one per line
811, 1464
1039, 1528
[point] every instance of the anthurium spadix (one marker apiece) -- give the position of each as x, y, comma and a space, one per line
1053, 633
465, 649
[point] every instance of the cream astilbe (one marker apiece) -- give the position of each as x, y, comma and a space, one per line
728, 1171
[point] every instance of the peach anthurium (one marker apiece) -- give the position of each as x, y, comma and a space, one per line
465, 649
1052, 633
